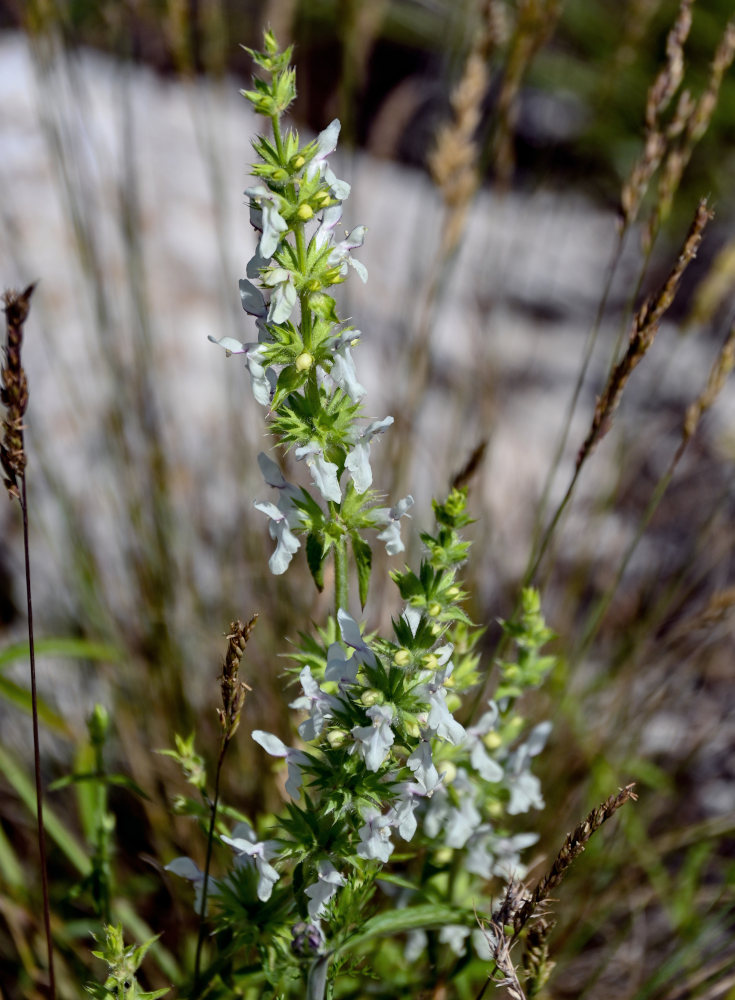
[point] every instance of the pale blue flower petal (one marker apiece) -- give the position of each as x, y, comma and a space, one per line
323, 473
329, 881
339, 668
283, 300
373, 742
231, 345
422, 765
455, 936
375, 842
252, 299
344, 375
286, 542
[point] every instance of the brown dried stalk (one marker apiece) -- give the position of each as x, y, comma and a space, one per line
535, 23
643, 332
233, 692
659, 97
14, 396
690, 122
14, 390
453, 163
573, 846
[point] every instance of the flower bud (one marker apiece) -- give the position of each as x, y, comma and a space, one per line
371, 697
492, 740
402, 658
447, 770
279, 174
337, 737
443, 856
304, 362
434, 609
435, 628
304, 212
297, 162
411, 727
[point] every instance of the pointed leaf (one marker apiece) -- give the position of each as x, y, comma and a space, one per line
364, 562
315, 559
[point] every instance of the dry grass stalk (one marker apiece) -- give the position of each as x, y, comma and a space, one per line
662, 90
723, 365
643, 332
453, 163
535, 23
573, 846
537, 965
234, 690
691, 121
14, 390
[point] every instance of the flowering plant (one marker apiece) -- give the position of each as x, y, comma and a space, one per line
378, 866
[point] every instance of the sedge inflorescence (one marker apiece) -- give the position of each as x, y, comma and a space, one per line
384, 781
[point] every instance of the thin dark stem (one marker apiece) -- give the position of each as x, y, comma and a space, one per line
36, 750
207, 863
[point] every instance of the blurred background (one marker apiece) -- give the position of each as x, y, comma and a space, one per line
488, 144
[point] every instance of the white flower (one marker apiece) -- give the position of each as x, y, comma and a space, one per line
185, 868
390, 516
403, 813
480, 759
264, 215
329, 880
455, 936
294, 758
248, 848
374, 742
326, 143
339, 668
358, 459
375, 843
323, 473
286, 542
319, 705
422, 765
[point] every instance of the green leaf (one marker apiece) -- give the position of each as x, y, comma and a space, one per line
75, 649
121, 780
324, 306
26, 791
315, 559
364, 562
21, 698
409, 919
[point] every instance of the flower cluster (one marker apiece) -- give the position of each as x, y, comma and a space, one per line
386, 782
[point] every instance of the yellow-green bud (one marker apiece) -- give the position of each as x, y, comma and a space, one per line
412, 728
336, 738
492, 740
313, 285
370, 697
443, 856
297, 162
304, 362
429, 661
435, 628
495, 809
279, 174
453, 701
305, 212
402, 658
448, 770
453, 592
322, 198
435, 609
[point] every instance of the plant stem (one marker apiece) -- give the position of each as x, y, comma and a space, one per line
341, 598
207, 863
36, 749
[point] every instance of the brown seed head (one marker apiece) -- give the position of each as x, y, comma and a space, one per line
14, 389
